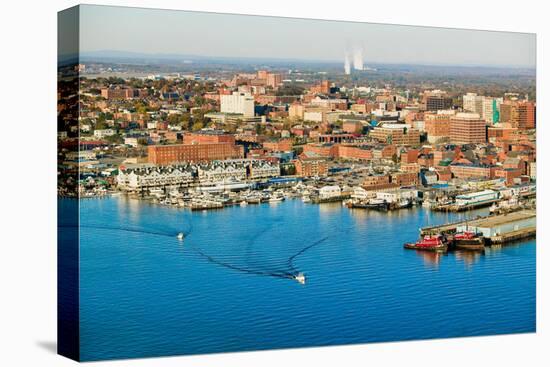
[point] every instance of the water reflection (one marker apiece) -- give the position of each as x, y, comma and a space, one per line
431, 258
469, 257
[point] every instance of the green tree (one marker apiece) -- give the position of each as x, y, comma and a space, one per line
142, 141
197, 126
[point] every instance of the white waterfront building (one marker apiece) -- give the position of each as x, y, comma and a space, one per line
327, 192
476, 197
147, 176
394, 196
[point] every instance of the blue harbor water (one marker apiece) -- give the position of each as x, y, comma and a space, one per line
228, 286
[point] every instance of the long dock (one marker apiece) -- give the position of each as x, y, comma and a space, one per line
490, 221
514, 236
447, 228
463, 208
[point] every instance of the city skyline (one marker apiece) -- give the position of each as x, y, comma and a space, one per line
107, 29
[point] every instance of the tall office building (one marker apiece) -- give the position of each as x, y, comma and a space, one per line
467, 128
438, 125
520, 115
471, 102
241, 103
491, 109
487, 107
438, 102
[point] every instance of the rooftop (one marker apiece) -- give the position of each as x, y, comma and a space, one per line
491, 222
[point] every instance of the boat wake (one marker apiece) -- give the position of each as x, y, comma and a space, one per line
288, 272
166, 232
255, 264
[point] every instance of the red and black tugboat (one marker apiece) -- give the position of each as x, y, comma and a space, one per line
429, 243
468, 240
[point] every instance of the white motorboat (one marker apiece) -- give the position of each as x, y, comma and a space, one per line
300, 278
181, 236
276, 198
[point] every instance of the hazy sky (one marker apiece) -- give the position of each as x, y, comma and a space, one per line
208, 34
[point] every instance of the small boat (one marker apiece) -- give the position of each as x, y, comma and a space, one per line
276, 198
468, 241
404, 203
244, 203
429, 243
374, 204
306, 199
181, 236
300, 278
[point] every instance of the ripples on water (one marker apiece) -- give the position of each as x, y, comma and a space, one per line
225, 288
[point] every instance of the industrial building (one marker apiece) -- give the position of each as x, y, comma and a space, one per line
499, 225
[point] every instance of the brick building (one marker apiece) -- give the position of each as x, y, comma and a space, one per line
438, 125
520, 115
168, 154
208, 136
435, 103
311, 167
282, 145
472, 171
355, 152
396, 134
323, 150
467, 128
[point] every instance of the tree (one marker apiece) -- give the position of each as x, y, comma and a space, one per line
101, 124
260, 129
197, 126
115, 139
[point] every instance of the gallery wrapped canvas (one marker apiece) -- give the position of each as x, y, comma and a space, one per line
237, 183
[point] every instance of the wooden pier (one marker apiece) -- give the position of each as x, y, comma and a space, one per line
463, 208
514, 236
447, 228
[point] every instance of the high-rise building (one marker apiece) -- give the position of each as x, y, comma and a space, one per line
241, 103
274, 80
262, 74
438, 125
467, 128
520, 115
471, 102
487, 107
526, 115
438, 102
491, 109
